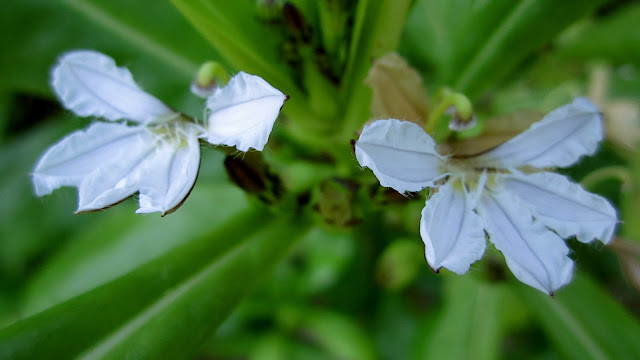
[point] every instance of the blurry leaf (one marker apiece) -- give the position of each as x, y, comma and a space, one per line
124, 241
236, 31
398, 90
473, 45
327, 256
316, 264
584, 322
395, 326
615, 38
337, 334
470, 325
163, 44
30, 225
376, 31
276, 346
164, 309
270, 347
400, 263
447, 27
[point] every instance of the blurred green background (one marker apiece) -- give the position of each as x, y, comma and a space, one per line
318, 261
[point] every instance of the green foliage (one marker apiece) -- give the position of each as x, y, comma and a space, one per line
170, 304
475, 44
317, 272
616, 38
585, 323
470, 325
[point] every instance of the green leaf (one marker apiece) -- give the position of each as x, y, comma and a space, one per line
149, 37
164, 309
615, 38
337, 334
22, 242
470, 325
235, 30
584, 322
478, 44
125, 242
376, 31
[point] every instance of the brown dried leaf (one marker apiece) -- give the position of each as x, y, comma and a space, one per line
398, 90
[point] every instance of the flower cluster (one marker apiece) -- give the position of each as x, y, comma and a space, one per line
145, 147
504, 193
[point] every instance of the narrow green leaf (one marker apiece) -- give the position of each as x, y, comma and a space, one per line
134, 33
148, 35
234, 29
584, 322
338, 334
529, 25
125, 242
236, 32
162, 309
443, 34
472, 45
470, 325
176, 324
22, 242
376, 31
615, 38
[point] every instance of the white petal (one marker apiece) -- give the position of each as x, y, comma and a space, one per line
564, 206
121, 178
90, 84
170, 176
242, 113
535, 255
401, 155
559, 139
451, 230
72, 159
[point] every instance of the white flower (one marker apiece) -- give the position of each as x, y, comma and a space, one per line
525, 213
158, 155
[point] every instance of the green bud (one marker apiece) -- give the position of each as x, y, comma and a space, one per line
210, 76
456, 105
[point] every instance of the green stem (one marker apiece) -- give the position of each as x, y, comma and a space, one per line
610, 172
377, 29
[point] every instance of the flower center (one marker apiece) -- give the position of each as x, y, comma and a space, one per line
174, 133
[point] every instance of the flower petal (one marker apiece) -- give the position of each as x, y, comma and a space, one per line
451, 230
564, 206
535, 255
401, 155
559, 139
121, 178
170, 176
72, 159
243, 112
90, 84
